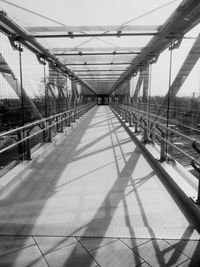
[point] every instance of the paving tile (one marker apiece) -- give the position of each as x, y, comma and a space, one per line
71, 256
29, 256
188, 263
134, 242
49, 244
116, 254
191, 248
144, 264
159, 253
10, 244
94, 243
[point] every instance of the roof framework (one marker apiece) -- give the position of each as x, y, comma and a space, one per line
101, 57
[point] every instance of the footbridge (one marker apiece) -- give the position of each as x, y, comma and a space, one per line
99, 133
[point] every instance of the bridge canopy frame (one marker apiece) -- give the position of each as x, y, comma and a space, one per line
95, 53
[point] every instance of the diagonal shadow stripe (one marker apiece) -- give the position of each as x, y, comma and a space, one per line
124, 176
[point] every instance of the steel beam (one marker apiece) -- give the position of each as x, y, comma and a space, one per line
72, 35
183, 19
99, 64
97, 75
95, 49
99, 79
93, 28
186, 68
12, 30
89, 70
114, 53
94, 59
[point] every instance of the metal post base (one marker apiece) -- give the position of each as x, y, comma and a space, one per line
195, 200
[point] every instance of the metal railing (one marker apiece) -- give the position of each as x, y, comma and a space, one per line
17, 144
156, 132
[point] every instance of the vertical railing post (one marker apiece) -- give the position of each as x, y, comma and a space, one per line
20, 145
163, 153
28, 146
61, 123
69, 118
72, 116
136, 125
144, 129
151, 132
49, 131
77, 113
57, 123
45, 132
126, 114
130, 119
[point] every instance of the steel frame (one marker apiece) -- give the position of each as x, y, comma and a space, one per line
17, 34
184, 18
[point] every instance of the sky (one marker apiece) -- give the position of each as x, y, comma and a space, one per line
109, 12
96, 12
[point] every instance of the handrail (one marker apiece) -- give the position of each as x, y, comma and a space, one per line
50, 123
169, 129
21, 128
166, 141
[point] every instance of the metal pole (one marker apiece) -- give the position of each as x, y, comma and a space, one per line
58, 100
22, 100
149, 95
21, 86
45, 91
168, 96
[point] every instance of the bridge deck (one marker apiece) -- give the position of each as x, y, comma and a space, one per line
95, 201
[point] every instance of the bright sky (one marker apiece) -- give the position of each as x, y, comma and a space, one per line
107, 12
96, 12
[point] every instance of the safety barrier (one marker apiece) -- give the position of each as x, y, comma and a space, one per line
156, 132
17, 144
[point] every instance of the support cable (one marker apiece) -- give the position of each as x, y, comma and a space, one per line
147, 13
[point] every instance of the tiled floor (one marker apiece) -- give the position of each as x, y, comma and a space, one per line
95, 201
91, 252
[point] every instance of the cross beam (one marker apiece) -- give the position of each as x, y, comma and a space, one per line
183, 19
95, 49
114, 53
97, 70
72, 35
93, 28
97, 75
98, 64
11, 29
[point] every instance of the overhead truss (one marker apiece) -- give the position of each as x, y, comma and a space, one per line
170, 34
184, 18
17, 34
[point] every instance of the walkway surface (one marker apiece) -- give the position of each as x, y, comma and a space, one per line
95, 201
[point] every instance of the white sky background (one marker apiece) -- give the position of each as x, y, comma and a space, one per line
110, 12
96, 12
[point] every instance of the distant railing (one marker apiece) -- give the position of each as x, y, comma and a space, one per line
17, 144
168, 139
